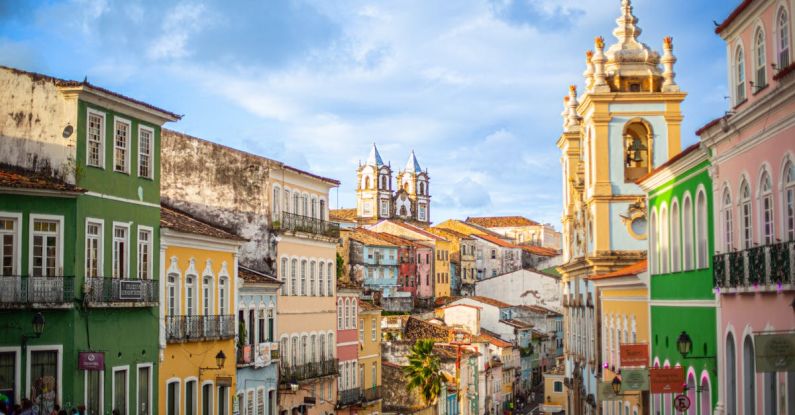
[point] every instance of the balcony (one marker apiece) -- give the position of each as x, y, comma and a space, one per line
257, 355
291, 222
297, 373
199, 328
372, 393
767, 267
18, 291
349, 397
121, 292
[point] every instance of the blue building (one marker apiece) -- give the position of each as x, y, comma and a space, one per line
374, 262
257, 349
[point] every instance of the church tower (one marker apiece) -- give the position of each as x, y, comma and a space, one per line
414, 191
626, 122
374, 188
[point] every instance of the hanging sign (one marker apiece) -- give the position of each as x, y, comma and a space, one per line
667, 380
634, 354
604, 392
775, 352
635, 379
91, 360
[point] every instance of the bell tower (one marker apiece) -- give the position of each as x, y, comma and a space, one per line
415, 185
374, 188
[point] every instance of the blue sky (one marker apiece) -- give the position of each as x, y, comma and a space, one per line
473, 86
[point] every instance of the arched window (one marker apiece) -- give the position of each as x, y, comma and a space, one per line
366, 182
676, 241
322, 347
322, 209
745, 215
276, 203
739, 76
728, 233
340, 311
190, 295
731, 375
637, 150
330, 346
286, 201
303, 278
283, 277
312, 281
294, 277
783, 38
320, 286
687, 218
223, 290
330, 277
422, 188
771, 393
305, 205
347, 314
664, 240
304, 350
789, 200
383, 183
691, 393
296, 203
701, 231
172, 287
760, 61
653, 250
313, 348
207, 296
294, 351
314, 208
766, 208
706, 396
749, 377
283, 347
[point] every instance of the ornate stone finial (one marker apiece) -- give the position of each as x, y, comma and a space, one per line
598, 59
572, 120
565, 114
668, 60
627, 29
588, 74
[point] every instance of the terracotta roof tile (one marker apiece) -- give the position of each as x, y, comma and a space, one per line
255, 277
18, 178
501, 221
397, 240
444, 232
418, 329
364, 306
538, 309
630, 270
734, 14
516, 323
672, 160
67, 83
180, 221
497, 241
344, 215
493, 338
369, 238
539, 250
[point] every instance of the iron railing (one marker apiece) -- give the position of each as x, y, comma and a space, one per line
122, 290
298, 223
19, 290
307, 371
349, 397
198, 328
372, 393
760, 266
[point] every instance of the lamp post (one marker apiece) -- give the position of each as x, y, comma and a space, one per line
220, 359
684, 344
38, 328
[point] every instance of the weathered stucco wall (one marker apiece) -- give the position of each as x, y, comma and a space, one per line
32, 121
223, 186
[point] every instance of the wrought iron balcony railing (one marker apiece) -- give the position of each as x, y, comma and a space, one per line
298, 223
198, 328
349, 397
768, 266
121, 292
37, 292
372, 393
295, 373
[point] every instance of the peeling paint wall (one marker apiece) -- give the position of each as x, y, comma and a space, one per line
33, 115
222, 186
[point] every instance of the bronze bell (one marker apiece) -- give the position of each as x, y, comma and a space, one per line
636, 148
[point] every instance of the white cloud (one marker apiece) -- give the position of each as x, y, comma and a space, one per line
177, 26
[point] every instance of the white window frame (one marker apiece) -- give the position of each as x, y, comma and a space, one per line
151, 155
760, 57
373, 329
17, 350
138, 386
59, 366
151, 232
17, 233
59, 249
126, 258
101, 390
783, 40
212, 396
100, 246
727, 219
211, 305
178, 396
766, 196
787, 214
283, 274
225, 410
676, 237
702, 230
738, 90
746, 218
115, 369
195, 394
127, 149
102, 138
227, 302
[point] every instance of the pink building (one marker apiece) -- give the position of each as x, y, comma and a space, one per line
753, 155
424, 271
348, 346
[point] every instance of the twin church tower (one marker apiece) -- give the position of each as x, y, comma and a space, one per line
376, 199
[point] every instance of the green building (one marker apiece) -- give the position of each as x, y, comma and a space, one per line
79, 239
681, 298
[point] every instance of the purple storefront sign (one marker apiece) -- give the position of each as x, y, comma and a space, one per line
91, 360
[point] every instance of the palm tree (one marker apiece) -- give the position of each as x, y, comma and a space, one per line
424, 371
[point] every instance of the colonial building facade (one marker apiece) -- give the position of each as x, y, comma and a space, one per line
626, 122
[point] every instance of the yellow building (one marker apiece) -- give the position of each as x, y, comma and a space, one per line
370, 358
463, 249
624, 305
555, 392
198, 327
441, 251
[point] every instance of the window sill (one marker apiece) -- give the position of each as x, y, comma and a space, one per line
122, 172
759, 89
95, 167
740, 103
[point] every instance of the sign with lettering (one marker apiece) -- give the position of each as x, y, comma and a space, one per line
91, 360
634, 354
131, 290
634, 379
667, 380
775, 352
604, 392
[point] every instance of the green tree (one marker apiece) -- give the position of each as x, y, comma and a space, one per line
340, 265
424, 372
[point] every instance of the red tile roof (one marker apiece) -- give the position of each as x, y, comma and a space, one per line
397, 240
369, 238
538, 309
364, 306
255, 277
539, 250
172, 218
630, 270
18, 178
672, 160
501, 221
497, 241
344, 215
418, 230
734, 15
67, 83
492, 338
451, 232
709, 125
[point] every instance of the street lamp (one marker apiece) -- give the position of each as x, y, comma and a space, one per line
38, 329
220, 359
684, 344
616, 385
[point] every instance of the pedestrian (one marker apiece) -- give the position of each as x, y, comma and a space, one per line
532, 396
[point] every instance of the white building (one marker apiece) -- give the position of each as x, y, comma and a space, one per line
522, 287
